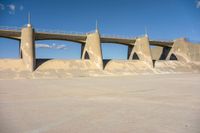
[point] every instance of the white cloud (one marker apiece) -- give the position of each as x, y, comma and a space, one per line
11, 8
53, 46
198, 4
2, 7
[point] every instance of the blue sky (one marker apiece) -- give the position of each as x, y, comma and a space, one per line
163, 19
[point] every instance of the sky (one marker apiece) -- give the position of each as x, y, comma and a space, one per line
161, 19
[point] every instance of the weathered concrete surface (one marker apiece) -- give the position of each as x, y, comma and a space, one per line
160, 53
182, 50
185, 51
141, 104
92, 50
142, 50
28, 48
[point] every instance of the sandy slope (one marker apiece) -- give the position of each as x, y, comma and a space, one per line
126, 104
61, 69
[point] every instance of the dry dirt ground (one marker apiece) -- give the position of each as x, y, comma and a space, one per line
126, 104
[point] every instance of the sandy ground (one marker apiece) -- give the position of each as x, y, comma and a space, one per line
126, 104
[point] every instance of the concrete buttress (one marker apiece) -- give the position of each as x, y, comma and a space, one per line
28, 47
92, 50
141, 50
182, 51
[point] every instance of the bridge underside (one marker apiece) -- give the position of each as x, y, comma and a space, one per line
151, 54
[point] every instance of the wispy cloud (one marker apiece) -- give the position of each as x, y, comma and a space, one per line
11, 8
2, 6
53, 46
198, 4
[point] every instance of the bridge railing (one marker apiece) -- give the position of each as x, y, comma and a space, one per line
59, 32
121, 36
81, 33
10, 28
15, 28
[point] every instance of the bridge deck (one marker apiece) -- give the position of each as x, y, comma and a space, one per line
79, 38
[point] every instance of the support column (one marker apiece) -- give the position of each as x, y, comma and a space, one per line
92, 50
28, 47
142, 50
20, 51
164, 53
82, 49
180, 51
130, 52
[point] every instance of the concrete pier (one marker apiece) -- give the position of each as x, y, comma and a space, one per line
184, 51
92, 50
28, 48
141, 50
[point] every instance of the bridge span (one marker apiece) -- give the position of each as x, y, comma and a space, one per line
79, 38
91, 45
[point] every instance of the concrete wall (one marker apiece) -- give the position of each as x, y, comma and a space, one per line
156, 52
160, 53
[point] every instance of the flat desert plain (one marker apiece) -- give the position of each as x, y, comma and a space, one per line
164, 103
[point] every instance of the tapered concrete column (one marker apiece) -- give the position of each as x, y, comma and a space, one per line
141, 50
92, 50
180, 51
28, 47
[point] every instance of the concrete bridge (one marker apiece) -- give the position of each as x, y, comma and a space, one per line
138, 48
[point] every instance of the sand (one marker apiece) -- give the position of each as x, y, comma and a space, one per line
165, 103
